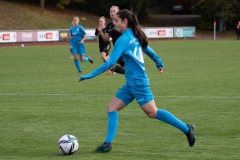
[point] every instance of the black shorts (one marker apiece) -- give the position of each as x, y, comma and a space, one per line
105, 49
121, 62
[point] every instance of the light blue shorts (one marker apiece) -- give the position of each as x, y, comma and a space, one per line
79, 49
143, 94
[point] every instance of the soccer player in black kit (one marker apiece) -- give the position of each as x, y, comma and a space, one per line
108, 32
104, 47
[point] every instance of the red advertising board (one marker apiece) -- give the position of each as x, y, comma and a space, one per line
26, 36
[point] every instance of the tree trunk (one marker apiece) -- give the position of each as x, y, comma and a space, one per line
131, 5
132, 9
42, 4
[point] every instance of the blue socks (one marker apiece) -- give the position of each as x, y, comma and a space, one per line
85, 59
77, 64
112, 126
162, 115
167, 117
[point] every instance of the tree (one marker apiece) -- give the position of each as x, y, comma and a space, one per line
42, 4
224, 11
61, 3
138, 7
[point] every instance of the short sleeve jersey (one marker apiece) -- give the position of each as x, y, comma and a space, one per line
102, 43
77, 34
112, 32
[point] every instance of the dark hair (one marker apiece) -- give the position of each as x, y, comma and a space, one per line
134, 25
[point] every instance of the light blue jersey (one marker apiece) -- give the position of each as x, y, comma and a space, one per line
129, 48
77, 34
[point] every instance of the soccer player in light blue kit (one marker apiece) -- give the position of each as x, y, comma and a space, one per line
131, 46
76, 44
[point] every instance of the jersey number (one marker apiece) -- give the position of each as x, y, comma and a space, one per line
138, 54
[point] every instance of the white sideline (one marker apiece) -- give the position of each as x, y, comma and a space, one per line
101, 95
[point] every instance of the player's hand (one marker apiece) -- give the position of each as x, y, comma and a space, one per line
79, 80
161, 70
64, 39
99, 28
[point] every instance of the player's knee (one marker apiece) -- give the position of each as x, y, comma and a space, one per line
151, 115
81, 59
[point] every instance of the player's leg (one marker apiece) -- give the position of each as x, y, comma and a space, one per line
105, 57
117, 68
121, 99
145, 99
74, 51
104, 54
82, 52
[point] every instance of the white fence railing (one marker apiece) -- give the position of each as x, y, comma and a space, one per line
57, 35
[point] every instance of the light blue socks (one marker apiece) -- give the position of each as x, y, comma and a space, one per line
162, 115
112, 126
77, 64
85, 59
167, 117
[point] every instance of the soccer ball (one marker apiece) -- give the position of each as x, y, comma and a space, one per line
68, 144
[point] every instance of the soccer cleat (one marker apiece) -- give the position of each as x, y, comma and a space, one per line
104, 148
191, 135
90, 59
79, 72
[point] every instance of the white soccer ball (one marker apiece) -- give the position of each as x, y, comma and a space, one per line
68, 144
22, 45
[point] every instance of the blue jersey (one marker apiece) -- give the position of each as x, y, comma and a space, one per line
77, 34
129, 48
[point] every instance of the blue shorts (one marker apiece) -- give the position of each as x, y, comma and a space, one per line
143, 94
79, 49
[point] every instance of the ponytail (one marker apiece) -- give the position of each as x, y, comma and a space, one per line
134, 25
138, 31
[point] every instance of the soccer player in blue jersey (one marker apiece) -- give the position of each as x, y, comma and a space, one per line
130, 46
77, 45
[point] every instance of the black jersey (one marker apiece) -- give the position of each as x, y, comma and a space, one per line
102, 43
112, 32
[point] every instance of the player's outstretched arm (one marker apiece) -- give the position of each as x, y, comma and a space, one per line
115, 55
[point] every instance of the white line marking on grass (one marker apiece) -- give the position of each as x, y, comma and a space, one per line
101, 95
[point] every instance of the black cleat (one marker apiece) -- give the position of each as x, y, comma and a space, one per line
104, 148
191, 135
90, 59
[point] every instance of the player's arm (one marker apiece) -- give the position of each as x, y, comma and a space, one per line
67, 38
105, 36
96, 34
114, 56
84, 38
152, 54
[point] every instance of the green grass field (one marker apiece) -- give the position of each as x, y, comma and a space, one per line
41, 100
